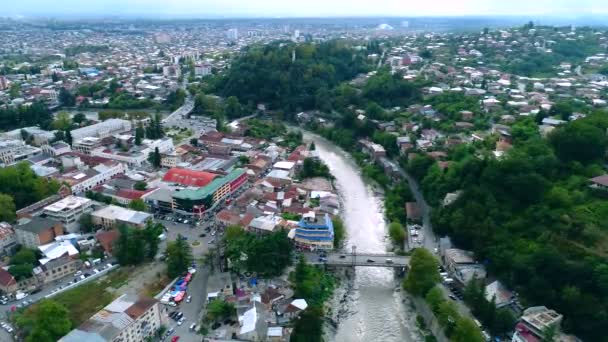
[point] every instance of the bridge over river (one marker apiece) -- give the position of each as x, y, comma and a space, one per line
359, 259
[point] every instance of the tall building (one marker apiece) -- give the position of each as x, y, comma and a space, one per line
127, 319
315, 232
232, 34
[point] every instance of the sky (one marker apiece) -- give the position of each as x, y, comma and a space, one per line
305, 8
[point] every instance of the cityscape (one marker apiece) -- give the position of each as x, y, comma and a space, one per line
323, 172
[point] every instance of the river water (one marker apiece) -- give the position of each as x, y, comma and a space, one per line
370, 308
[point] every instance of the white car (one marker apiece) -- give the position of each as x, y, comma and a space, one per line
189, 299
181, 321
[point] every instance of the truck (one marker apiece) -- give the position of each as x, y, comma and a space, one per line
20, 295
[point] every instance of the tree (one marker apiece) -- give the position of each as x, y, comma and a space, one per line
24, 256
312, 146
7, 208
194, 142
63, 121
66, 98
233, 108
219, 310
86, 223
466, 331
68, 137
21, 271
423, 274
579, 141
397, 233
140, 186
14, 90
434, 298
139, 134
179, 257
79, 118
339, 231
137, 204
46, 321
154, 158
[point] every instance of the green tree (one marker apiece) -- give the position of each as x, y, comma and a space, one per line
233, 108
46, 321
219, 310
21, 271
466, 331
86, 223
14, 90
339, 231
179, 257
63, 121
68, 137
139, 134
66, 98
24, 256
434, 298
579, 141
7, 208
79, 118
423, 273
140, 185
154, 158
137, 204
397, 233
194, 142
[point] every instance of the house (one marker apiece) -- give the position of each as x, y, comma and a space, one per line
405, 144
454, 257
106, 239
8, 239
36, 231
534, 322
127, 318
58, 268
499, 293
372, 149
271, 296
8, 284
112, 215
252, 323
599, 182
264, 224
294, 308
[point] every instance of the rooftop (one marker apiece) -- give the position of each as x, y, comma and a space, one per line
209, 188
68, 203
188, 177
35, 224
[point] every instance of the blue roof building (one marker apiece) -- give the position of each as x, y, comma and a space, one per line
315, 232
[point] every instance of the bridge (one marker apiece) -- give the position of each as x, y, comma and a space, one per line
359, 259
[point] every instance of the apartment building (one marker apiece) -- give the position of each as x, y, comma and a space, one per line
69, 209
127, 319
315, 232
86, 179
8, 239
36, 231
86, 145
13, 151
102, 129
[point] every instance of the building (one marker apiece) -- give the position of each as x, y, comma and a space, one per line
36, 231
8, 239
252, 323
127, 319
102, 129
500, 294
112, 215
172, 71
186, 177
372, 149
86, 144
81, 181
264, 224
56, 149
69, 209
315, 232
58, 268
203, 69
232, 34
13, 151
196, 201
534, 322
159, 200
138, 155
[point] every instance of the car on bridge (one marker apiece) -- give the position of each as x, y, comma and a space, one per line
370, 260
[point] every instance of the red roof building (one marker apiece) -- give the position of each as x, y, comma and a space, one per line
188, 177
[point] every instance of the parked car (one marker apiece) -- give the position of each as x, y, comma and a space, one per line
342, 256
202, 235
181, 321
189, 299
175, 339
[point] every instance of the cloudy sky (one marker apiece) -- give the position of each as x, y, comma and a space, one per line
306, 8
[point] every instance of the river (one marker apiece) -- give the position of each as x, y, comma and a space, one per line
372, 309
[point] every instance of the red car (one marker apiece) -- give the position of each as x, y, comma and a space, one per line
175, 339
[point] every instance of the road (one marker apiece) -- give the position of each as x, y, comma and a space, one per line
198, 290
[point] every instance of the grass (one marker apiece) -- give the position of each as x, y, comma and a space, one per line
85, 300
152, 289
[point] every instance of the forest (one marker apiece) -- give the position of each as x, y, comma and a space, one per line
25, 116
532, 218
268, 74
24, 186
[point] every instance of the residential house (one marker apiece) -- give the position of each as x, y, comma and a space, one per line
36, 231
111, 216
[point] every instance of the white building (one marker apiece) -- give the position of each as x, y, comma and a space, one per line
102, 129
13, 151
136, 158
84, 180
69, 209
202, 69
86, 145
128, 318
232, 34
112, 215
